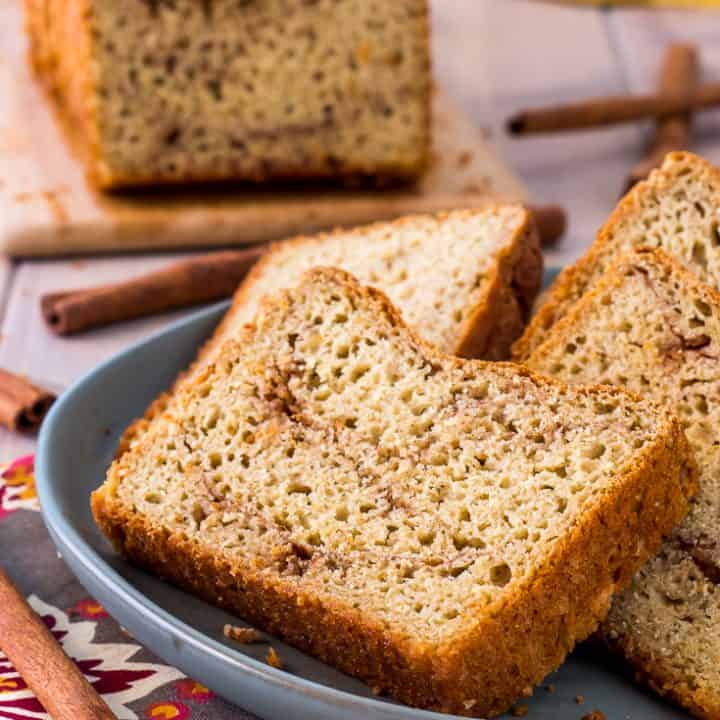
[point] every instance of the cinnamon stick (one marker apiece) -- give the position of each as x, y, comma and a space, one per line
612, 110
679, 77
22, 405
188, 282
48, 671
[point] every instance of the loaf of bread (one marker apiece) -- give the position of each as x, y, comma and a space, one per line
653, 327
444, 529
464, 280
161, 91
675, 209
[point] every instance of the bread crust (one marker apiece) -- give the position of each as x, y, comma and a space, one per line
574, 279
60, 55
511, 644
64, 68
501, 315
488, 332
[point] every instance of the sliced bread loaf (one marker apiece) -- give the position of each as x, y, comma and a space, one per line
651, 326
676, 209
464, 280
160, 91
444, 529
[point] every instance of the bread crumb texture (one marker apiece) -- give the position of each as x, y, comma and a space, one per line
675, 210
650, 326
177, 90
444, 529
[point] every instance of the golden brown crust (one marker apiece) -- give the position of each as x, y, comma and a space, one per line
572, 282
515, 642
59, 34
501, 315
101, 177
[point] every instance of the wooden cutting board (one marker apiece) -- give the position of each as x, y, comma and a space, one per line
47, 208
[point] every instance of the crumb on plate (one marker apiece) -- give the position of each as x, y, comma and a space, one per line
274, 659
242, 634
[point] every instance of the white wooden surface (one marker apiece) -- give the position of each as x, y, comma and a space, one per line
494, 57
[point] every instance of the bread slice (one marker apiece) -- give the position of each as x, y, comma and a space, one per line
155, 91
465, 280
444, 529
675, 209
651, 326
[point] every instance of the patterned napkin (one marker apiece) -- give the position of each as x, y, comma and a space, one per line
133, 682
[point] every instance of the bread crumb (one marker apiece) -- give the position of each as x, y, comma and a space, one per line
519, 711
594, 715
375, 689
579, 699
469, 704
551, 688
274, 659
527, 691
242, 634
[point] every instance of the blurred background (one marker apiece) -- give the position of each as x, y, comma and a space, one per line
497, 56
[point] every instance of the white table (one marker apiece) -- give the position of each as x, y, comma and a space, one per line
494, 56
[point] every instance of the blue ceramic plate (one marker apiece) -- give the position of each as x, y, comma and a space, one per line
76, 446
